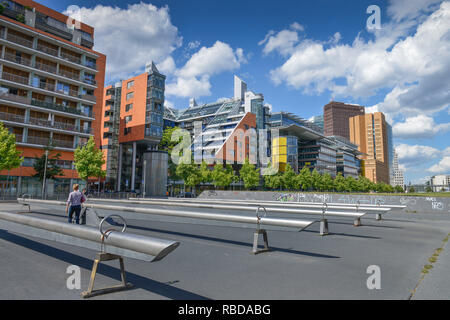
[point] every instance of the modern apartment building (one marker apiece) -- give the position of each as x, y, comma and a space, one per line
397, 178
301, 143
220, 130
51, 89
336, 116
370, 133
440, 183
132, 127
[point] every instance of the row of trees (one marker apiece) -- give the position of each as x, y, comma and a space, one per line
223, 176
88, 159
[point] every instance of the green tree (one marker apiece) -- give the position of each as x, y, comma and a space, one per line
327, 182
316, 180
166, 144
350, 184
339, 183
9, 156
412, 190
205, 173
428, 189
88, 161
190, 174
289, 178
272, 177
249, 175
304, 179
223, 177
53, 170
364, 185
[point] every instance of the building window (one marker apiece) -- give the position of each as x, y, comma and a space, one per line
128, 119
127, 131
130, 84
130, 95
128, 107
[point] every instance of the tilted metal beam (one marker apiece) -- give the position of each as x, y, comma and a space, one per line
127, 244
267, 204
279, 222
241, 207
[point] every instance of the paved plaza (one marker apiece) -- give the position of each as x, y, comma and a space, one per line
214, 260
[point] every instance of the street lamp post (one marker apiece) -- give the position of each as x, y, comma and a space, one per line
45, 174
144, 169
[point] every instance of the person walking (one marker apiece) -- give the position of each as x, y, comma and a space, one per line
76, 198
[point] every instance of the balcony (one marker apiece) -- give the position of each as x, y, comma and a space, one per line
70, 58
17, 59
69, 74
42, 24
70, 92
47, 50
89, 97
65, 126
90, 81
13, 11
47, 141
40, 122
57, 107
15, 98
87, 43
45, 86
19, 137
38, 140
62, 143
12, 117
14, 78
45, 67
19, 40
90, 65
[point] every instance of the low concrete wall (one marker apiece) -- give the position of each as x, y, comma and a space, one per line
414, 204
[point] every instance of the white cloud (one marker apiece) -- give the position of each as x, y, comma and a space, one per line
442, 167
409, 9
167, 67
283, 41
241, 56
297, 26
414, 68
416, 153
193, 79
420, 126
131, 37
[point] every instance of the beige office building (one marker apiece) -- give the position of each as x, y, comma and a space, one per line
370, 133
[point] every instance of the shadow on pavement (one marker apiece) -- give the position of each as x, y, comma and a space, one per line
106, 270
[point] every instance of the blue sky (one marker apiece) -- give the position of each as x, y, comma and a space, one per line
315, 51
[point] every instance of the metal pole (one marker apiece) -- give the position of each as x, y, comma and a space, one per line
45, 175
241, 207
158, 248
182, 202
144, 170
280, 222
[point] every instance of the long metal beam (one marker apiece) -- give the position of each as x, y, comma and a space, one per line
266, 202
353, 214
150, 249
267, 205
279, 222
